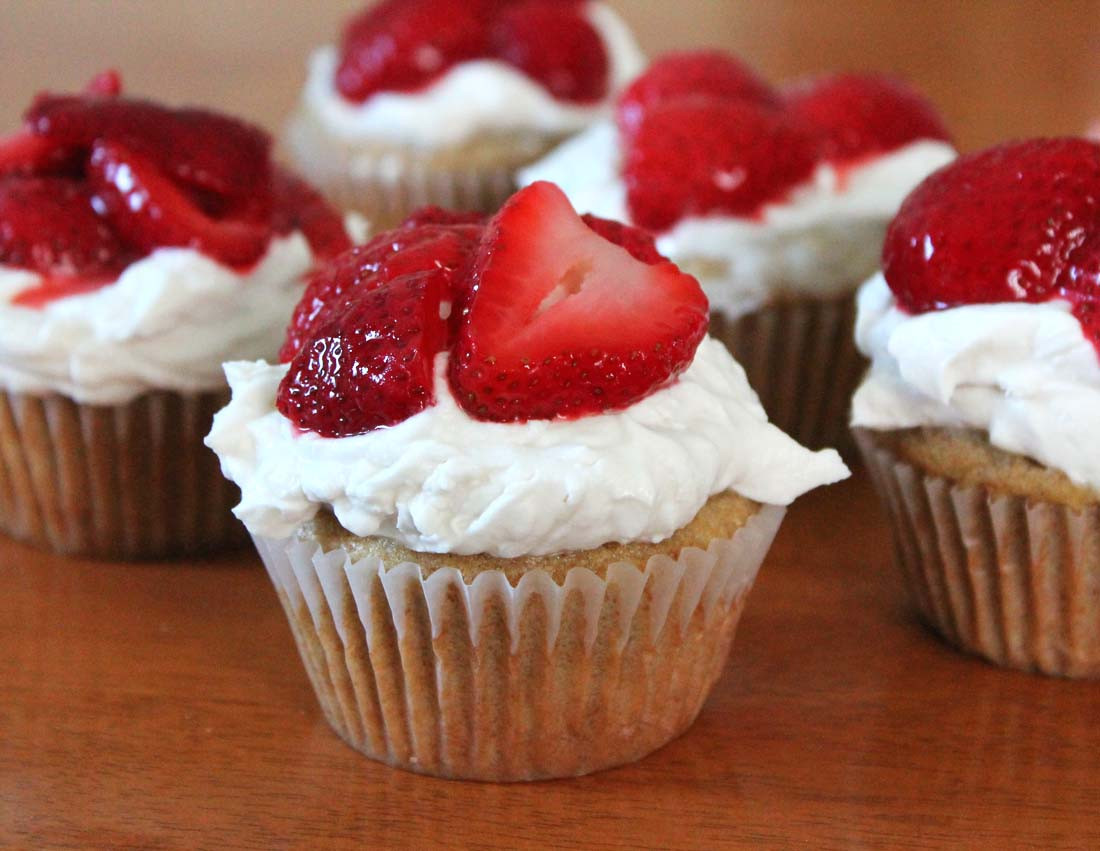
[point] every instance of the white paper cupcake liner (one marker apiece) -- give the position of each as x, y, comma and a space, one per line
801, 358
483, 680
387, 185
130, 481
1014, 580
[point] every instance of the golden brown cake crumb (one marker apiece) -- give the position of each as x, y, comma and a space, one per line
721, 516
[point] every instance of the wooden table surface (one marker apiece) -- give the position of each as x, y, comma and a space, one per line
164, 706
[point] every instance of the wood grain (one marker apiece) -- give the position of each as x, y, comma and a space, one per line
163, 706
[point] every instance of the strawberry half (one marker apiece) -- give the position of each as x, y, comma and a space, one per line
708, 74
561, 322
149, 211
401, 45
694, 157
369, 363
1020, 222
857, 115
48, 225
555, 45
406, 250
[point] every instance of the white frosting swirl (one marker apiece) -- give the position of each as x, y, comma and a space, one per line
443, 482
822, 239
1024, 373
167, 323
469, 99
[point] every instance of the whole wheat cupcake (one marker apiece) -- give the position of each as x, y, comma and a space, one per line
140, 246
511, 496
776, 200
441, 101
979, 417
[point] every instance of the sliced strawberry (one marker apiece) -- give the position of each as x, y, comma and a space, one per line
698, 157
695, 74
193, 146
106, 83
562, 323
25, 153
298, 206
432, 215
149, 211
640, 244
1020, 222
47, 225
859, 115
555, 45
390, 255
401, 45
369, 363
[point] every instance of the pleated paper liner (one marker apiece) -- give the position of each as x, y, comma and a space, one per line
1013, 580
388, 183
487, 681
800, 357
130, 481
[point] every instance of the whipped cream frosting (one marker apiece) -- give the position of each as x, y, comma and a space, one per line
167, 323
471, 98
822, 239
1026, 374
443, 482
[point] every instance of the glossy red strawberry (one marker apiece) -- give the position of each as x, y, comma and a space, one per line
47, 225
640, 244
555, 45
149, 211
368, 364
697, 157
406, 250
106, 84
195, 147
298, 206
695, 74
563, 323
433, 215
857, 115
1020, 222
401, 45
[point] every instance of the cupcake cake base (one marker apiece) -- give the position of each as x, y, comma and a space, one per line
131, 481
1000, 555
800, 356
468, 667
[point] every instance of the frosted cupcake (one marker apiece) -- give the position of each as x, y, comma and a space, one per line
440, 101
516, 540
776, 201
979, 417
140, 246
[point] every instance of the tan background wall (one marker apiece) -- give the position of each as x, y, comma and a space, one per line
998, 68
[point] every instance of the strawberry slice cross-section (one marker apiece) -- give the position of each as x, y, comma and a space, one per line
561, 322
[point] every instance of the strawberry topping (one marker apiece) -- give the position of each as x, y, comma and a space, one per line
129, 176
1019, 222
703, 135
404, 45
858, 115
546, 314
368, 363
562, 323
709, 74
696, 157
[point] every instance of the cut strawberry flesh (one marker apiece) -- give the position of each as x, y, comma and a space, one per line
562, 323
149, 211
1020, 222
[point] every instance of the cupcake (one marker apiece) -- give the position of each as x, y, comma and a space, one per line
441, 101
980, 413
140, 246
511, 496
776, 200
